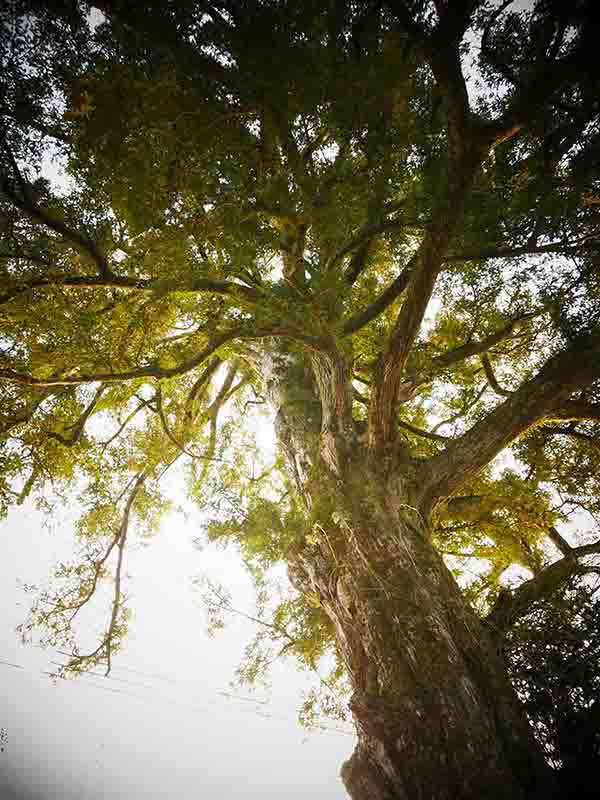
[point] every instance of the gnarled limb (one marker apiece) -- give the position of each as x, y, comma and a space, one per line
467, 144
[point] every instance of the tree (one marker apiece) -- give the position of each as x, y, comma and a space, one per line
381, 219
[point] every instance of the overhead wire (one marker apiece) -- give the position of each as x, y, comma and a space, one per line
171, 701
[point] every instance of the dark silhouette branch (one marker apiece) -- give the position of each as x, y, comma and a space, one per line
568, 248
577, 411
110, 280
513, 605
84, 244
436, 437
559, 541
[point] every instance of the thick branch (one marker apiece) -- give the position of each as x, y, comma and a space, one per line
467, 144
153, 371
149, 371
559, 541
378, 306
573, 433
535, 400
424, 269
577, 410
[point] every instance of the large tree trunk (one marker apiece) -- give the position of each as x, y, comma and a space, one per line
435, 714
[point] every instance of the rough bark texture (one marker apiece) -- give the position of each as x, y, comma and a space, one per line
435, 714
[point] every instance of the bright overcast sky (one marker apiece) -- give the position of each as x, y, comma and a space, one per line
151, 738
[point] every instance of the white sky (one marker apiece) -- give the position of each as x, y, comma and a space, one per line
176, 737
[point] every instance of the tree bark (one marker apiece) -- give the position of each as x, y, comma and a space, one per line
435, 714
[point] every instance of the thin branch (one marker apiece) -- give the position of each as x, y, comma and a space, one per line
544, 79
358, 263
199, 387
79, 426
475, 348
489, 374
436, 437
26, 415
407, 21
364, 237
119, 540
513, 252
467, 406
123, 425
223, 604
121, 549
171, 435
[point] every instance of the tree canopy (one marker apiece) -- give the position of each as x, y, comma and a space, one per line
408, 192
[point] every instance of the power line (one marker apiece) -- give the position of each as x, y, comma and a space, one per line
130, 669
112, 677
171, 701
